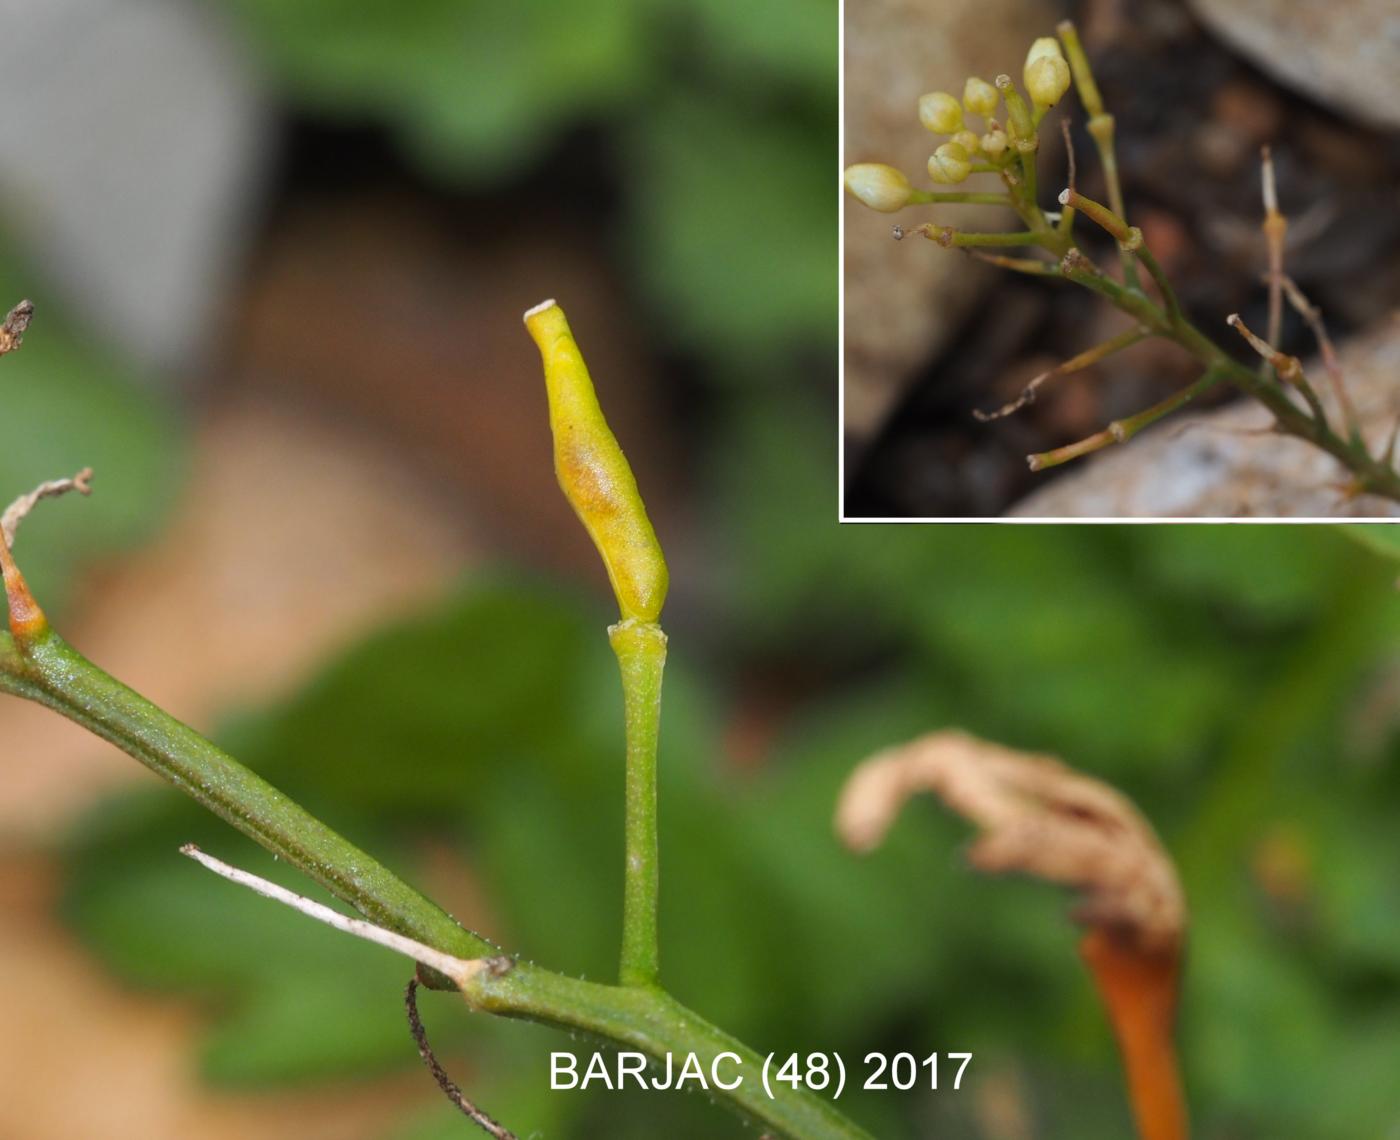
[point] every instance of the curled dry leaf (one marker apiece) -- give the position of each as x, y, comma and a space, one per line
1039, 817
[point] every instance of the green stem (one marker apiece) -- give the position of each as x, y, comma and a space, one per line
1372, 475
1174, 313
47, 670
1101, 130
641, 655
920, 197
655, 1023
948, 236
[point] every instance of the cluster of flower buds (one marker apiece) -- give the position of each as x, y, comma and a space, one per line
1046, 76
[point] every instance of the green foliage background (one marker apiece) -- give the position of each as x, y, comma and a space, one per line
1232, 681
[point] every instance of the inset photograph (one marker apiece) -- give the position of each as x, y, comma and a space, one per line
1112, 261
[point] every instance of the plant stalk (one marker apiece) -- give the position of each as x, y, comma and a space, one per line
641, 655
45, 669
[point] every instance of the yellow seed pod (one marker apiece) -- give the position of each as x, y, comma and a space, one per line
979, 96
949, 164
878, 186
1046, 73
940, 112
593, 472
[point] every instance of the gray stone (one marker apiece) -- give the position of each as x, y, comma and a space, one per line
1345, 53
133, 138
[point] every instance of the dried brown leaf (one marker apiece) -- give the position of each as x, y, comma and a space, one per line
1037, 817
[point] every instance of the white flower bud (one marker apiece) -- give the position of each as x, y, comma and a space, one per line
979, 96
940, 112
1045, 47
1046, 73
878, 186
949, 164
968, 140
994, 141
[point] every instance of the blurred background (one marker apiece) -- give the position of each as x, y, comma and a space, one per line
1196, 87
279, 255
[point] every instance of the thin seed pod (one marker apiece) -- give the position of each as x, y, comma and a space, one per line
593, 472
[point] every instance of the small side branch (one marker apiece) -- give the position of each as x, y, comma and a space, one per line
17, 511
1275, 230
27, 620
1313, 316
1120, 431
461, 970
951, 238
1074, 364
1027, 265
450, 1088
967, 197
1066, 226
1289, 369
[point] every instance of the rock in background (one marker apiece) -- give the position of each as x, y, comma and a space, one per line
134, 144
903, 299
1344, 53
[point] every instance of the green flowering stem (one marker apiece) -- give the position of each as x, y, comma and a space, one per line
1027, 265
919, 197
43, 668
641, 655
948, 237
1101, 129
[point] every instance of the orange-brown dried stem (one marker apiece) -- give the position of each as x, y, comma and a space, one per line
1275, 231
1139, 991
27, 620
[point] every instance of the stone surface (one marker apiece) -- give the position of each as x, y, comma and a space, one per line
1345, 53
902, 299
134, 142
1226, 464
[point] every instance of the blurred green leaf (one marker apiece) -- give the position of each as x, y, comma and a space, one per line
1142, 663
728, 231
474, 89
1383, 538
794, 40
